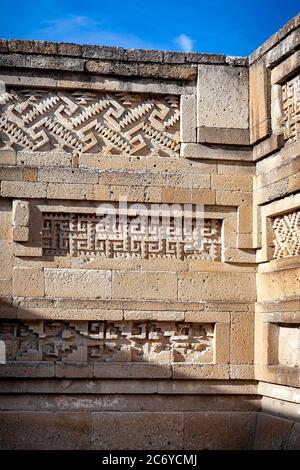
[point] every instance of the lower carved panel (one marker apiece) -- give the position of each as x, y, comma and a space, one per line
105, 341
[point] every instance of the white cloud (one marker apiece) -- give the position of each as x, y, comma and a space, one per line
85, 30
185, 42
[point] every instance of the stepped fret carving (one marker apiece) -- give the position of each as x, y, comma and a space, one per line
68, 234
287, 235
80, 122
106, 341
291, 109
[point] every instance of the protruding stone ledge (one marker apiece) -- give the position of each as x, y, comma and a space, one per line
219, 135
216, 152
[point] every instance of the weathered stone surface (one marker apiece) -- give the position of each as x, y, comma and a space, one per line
28, 282
162, 431
77, 283
146, 285
222, 96
294, 439
44, 430
272, 433
219, 430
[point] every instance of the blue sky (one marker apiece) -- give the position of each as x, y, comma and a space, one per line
214, 26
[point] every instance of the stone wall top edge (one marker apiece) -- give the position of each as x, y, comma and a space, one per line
276, 38
109, 53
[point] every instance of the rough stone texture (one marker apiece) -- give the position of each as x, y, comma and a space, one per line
222, 96
202, 430
162, 431
77, 283
272, 433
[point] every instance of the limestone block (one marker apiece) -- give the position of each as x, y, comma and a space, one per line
78, 283
63, 191
20, 234
144, 285
272, 433
51, 158
268, 146
63, 175
245, 219
281, 408
278, 285
232, 182
23, 189
285, 68
222, 93
242, 338
242, 372
190, 371
219, 430
214, 152
233, 286
75, 371
132, 371
32, 369
5, 220
222, 343
236, 168
46, 430
68, 49
260, 101
233, 198
188, 118
154, 315
163, 431
283, 49
223, 135
32, 47
28, 282
7, 157
21, 212
10, 173
294, 439
30, 174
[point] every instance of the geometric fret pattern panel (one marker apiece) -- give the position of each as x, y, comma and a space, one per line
107, 341
287, 235
291, 109
89, 122
71, 234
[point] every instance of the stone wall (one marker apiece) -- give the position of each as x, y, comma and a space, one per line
145, 337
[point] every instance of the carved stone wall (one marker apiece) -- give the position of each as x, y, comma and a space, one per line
92, 235
95, 341
84, 121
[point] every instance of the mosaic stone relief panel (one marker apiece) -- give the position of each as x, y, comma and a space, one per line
69, 234
84, 121
106, 341
291, 109
287, 235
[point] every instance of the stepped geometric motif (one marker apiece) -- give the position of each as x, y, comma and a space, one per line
291, 109
106, 341
287, 235
89, 235
88, 122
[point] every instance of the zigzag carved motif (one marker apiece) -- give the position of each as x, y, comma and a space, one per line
81, 122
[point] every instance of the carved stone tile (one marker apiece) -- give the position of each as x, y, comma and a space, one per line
107, 341
84, 121
287, 235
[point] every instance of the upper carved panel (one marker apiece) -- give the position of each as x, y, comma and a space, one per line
291, 109
287, 235
98, 235
83, 121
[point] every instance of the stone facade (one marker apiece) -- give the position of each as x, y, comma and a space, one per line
109, 329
